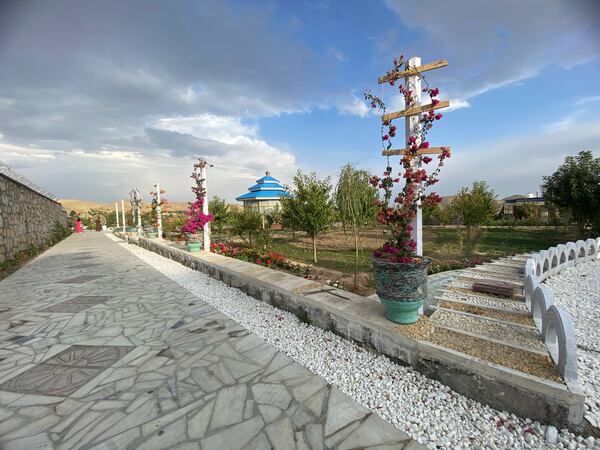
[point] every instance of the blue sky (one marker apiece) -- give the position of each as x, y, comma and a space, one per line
100, 97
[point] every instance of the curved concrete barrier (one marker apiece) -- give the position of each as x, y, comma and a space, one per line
559, 336
541, 300
554, 321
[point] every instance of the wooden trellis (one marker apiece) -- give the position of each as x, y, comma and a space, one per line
412, 115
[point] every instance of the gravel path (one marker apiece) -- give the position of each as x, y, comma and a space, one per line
429, 411
578, 290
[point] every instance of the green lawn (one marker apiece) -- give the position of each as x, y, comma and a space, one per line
335, 250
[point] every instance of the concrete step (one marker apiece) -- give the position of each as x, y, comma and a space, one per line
524, 338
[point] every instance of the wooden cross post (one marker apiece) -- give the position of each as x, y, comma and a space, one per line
412, 115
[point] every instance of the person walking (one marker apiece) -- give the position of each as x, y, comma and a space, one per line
78, 226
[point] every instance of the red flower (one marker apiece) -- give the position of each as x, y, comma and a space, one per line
427, 159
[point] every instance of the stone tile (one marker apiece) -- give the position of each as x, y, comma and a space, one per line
77, 304
235, 437
372, 432
198, 422
81, 279
272, 394
229, 406
281, 434
341, 411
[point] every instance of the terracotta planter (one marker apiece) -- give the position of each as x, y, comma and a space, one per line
402, 288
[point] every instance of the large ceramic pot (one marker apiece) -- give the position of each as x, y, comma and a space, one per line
151, 234
401, 287
193, 242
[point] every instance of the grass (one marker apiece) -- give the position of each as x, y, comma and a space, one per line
336, 252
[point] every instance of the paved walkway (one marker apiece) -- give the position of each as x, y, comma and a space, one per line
99, 350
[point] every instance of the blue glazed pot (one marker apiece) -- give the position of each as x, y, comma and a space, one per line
401, 288
193, 246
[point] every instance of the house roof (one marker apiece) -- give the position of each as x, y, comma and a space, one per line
266, 188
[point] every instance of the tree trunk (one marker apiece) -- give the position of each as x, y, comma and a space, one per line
250, 238
314, 242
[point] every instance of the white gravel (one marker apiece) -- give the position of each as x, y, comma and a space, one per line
578, 290
427, 410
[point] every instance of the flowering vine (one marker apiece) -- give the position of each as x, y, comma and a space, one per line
398, 213
196, 218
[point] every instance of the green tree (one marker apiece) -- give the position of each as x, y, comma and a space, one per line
355, 201
219, 208
473, 208
575, 186
310, 207
476, 206
246, 223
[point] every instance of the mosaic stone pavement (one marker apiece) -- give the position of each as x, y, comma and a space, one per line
101, 351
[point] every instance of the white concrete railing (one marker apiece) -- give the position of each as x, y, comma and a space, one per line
553, 321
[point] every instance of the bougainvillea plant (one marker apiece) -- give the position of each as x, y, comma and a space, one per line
196, 218
155, 204
412, 179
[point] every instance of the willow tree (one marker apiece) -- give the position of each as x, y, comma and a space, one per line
355, 200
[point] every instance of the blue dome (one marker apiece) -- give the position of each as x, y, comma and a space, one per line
266, 188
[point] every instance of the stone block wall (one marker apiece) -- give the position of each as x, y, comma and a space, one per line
27, 217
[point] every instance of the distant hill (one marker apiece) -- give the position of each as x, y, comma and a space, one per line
83, 206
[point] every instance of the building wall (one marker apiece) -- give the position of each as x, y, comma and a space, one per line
26, 218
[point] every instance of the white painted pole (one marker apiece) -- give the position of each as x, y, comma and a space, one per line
206, 229
413, 127
117, 215
139, 211
158, 212
123, 213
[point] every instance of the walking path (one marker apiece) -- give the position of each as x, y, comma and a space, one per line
100, 350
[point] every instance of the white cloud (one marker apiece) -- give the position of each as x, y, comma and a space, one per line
337, 54
353, 106
506, 42
516, 165
587, 100
457, 104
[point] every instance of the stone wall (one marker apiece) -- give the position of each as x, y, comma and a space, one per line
27, 214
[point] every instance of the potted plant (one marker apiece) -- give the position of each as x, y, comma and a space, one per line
400, 274
196, 219
150, 232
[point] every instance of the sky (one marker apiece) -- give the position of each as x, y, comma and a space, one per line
99, 97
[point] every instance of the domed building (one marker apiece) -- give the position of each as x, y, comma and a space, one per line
265, 195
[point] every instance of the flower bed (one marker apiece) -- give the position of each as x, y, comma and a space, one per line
268, 259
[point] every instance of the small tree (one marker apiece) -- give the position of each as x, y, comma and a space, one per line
356, 203
473, 208
575, 186
309, 208
246, 223
219, 208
